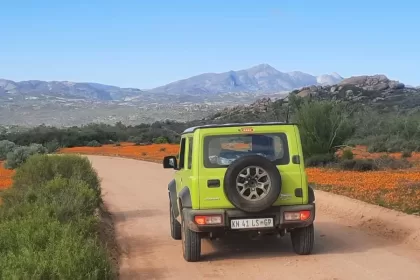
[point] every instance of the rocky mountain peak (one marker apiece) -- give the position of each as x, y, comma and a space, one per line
373, 83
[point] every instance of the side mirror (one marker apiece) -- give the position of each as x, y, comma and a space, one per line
170, 162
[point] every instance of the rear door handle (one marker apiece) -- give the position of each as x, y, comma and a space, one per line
213, 183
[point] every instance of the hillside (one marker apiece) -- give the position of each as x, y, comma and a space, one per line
377, 92
10, 90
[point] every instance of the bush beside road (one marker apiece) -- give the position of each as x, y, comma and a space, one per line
49, 227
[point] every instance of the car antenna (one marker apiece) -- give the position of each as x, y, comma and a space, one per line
288, 108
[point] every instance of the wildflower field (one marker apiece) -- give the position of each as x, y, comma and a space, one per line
5, 176
397, 189
154, 153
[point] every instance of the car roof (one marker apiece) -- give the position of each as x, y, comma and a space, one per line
194, 128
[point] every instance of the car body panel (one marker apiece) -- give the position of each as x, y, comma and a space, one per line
205, 185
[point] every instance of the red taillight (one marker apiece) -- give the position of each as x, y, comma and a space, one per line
208, 220
298, 215
304, 215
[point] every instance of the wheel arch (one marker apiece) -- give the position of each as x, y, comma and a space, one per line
172, 197
311, 194
184, 198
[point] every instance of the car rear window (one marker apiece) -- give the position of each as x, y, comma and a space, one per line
222, 150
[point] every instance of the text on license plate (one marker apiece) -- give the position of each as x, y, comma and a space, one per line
252, 223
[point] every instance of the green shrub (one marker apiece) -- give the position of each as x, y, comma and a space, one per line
5, 148
48, 227
387, 162
136, 140
37, 149
406, 154
94, 143
382, 163
358, 165
320, 160
39, 247
377, 147
18, 157
365, 165
52, 146
40, 169
323, 126
160, 140
20, 154
65, 199
347, 154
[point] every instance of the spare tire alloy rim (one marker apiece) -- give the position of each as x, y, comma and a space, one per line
253, 183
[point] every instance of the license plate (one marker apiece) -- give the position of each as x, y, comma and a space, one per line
252, 223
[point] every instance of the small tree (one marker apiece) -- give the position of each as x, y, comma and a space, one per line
52, 146
20, 154
18, 157
323, 125
6, 147
37, 149
160, 140
347, 154
94, 143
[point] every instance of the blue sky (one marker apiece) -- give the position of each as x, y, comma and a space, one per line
149, 43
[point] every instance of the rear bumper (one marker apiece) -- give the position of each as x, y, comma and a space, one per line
275, 212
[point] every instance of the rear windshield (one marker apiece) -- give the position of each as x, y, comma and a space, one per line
222, 150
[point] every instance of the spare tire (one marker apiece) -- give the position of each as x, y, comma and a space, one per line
252, 183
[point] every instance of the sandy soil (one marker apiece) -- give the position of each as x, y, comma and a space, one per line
135, 192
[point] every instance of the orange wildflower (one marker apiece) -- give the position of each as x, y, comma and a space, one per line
5, 176
360, 152
394, 189
154, 152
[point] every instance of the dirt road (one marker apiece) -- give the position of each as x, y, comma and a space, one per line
136, 194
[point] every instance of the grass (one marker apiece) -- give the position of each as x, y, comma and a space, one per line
48, 223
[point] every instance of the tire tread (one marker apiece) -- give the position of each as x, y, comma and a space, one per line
192, 249
303, 240
175, 225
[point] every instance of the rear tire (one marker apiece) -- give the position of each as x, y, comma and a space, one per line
303, 240
191, 243
175, 225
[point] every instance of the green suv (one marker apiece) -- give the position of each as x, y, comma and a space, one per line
235, 178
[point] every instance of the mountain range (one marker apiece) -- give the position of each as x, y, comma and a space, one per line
63, 103
261, 79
